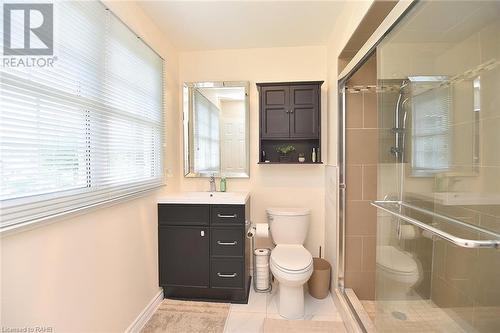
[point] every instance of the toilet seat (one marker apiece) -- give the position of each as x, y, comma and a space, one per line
393, 260
291, 259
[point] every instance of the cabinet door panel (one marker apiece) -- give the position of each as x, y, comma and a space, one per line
228, 215
304, 114
274, 112
184, 256
227, 242
183, 214
227, 273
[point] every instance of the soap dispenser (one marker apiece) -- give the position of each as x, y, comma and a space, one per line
223, 184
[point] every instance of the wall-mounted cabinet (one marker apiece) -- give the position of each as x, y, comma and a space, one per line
290, 114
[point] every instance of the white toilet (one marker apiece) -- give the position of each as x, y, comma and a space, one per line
290, 263
397, 272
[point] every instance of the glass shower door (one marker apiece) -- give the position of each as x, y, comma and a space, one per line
438, 174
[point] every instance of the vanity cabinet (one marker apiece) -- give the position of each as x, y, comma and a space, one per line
290, 114
203, 252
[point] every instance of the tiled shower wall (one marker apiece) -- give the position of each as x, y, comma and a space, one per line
361, 182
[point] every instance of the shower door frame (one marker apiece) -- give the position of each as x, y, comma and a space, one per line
367, 50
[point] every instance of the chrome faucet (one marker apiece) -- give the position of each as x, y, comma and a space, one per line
213, 188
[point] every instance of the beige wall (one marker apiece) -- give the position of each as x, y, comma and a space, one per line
269, 185
97, 271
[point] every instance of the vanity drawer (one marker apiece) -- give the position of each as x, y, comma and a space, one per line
227, 242
183, 214
228, 214
226, 273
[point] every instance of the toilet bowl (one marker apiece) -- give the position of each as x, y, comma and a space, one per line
397, 273
290, 263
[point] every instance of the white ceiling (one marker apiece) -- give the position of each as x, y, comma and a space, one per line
208, 25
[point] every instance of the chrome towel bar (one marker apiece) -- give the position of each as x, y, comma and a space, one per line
394, 208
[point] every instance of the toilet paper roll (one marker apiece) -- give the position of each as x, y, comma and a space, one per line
408, 232
261, 230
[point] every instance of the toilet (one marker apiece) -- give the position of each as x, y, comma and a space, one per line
290, 263
398, 271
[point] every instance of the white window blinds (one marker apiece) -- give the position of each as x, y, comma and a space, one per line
431, 129
206, 135
87, 130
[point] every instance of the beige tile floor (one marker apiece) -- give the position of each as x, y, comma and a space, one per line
419, 316
249, 318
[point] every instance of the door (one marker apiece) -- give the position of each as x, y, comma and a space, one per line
304, 111
275, 112
233, 146
184, 256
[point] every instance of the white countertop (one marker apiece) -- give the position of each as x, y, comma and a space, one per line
209, 198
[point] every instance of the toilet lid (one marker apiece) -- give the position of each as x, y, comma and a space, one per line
291, 257
394, 259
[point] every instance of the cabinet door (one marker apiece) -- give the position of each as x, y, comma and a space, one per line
274, 115
304, 113
184, 256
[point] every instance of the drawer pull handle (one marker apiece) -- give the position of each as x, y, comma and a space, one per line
227, 243
227, 216
227, 275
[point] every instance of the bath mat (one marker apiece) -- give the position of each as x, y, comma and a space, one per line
188, 317
301, 326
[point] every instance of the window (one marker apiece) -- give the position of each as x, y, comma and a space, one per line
87, 130
206, 134
431, 128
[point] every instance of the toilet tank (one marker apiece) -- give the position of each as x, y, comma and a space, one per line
288, 225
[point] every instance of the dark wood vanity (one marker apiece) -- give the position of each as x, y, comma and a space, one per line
290, 114
204, 253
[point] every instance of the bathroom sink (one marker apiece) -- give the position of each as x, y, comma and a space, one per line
213, 198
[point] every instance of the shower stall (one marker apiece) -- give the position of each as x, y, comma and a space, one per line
419, 227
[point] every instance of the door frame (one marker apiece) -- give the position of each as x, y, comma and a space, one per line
402, 8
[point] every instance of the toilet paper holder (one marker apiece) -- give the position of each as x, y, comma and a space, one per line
251, 235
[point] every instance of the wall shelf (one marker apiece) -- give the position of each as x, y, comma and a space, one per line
289, 114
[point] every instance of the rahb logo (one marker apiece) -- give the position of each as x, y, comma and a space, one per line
28, 29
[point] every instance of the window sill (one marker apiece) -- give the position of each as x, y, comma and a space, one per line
27, 226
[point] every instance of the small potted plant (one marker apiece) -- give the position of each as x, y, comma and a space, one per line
284, 151
302, 157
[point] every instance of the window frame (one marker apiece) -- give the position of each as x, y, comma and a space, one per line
88, 197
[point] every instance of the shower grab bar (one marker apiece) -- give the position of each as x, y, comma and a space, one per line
468, 243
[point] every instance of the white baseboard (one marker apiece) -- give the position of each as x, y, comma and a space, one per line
145, 314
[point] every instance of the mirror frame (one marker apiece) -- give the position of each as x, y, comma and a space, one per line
187, 102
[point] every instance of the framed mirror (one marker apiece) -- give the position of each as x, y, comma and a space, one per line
216, 129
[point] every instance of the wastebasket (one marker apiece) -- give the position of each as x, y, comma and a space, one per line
319, 282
